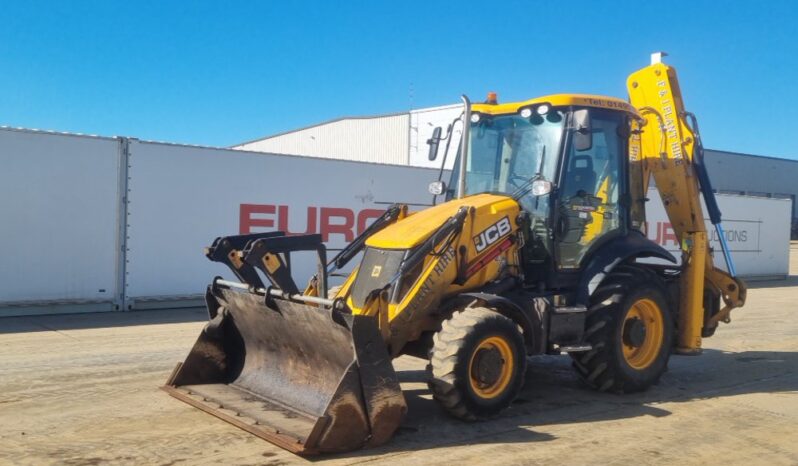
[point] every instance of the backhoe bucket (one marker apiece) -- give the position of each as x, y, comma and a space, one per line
305, 378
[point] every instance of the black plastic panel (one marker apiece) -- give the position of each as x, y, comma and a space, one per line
376, 270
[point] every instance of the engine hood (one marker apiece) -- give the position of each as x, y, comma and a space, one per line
411, 231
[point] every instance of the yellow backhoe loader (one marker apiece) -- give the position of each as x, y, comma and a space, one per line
539, 248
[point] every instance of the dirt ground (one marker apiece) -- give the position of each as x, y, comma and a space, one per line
83, 390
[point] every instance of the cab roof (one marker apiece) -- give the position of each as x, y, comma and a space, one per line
558, 100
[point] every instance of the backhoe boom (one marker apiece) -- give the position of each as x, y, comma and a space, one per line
666, 146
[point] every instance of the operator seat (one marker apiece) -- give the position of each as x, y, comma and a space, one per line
577, 206
581, 176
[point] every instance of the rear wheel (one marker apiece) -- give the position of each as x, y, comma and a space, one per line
477, 364
630, 329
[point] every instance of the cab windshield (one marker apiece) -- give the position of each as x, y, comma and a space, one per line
506, 151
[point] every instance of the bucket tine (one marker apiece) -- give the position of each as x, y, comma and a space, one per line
264, 254
225, 249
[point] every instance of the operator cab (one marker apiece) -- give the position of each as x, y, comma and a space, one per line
562, 157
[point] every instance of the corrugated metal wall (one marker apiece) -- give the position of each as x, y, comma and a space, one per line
422, 123
753, 175
381, 139
393, 139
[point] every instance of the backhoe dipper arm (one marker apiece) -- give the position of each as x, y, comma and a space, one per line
669, 148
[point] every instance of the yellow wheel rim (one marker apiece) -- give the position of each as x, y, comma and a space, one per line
491, 367
643, 334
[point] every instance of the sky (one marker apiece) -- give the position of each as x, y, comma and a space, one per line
219, 73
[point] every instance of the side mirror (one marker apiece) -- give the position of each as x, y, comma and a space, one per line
433, 143
436, 188
583, 136
541, 187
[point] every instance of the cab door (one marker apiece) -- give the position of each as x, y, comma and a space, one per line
591, 184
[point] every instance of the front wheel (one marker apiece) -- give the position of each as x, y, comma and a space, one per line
631, 331
477, 364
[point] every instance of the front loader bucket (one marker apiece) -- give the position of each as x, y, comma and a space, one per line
305, 378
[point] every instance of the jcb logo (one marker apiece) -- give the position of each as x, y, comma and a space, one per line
492, 234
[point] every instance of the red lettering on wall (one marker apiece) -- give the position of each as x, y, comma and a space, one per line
364, 216
342, 228
663, 233
669, 235
246, 222
325, 220
282, 221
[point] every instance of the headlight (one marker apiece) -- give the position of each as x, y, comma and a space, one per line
541, 187
437, 188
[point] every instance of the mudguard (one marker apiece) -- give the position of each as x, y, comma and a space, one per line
617, 250
529, 319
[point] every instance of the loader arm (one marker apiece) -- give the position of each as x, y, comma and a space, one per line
665, 145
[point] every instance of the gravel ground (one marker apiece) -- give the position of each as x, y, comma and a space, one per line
83, 390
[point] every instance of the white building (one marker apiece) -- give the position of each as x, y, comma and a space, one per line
395, 138
401, 139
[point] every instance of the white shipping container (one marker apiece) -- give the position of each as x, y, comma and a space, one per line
182, 197
85, 225
757, 231
58, 218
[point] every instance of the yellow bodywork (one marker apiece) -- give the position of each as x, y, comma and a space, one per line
557, 100
660, 144
596, 226
664, 149
404, 320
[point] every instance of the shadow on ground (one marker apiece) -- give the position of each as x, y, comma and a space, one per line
554, 395
790, 281
100, 320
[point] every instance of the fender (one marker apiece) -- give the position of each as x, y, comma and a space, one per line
617, 250
529, 320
